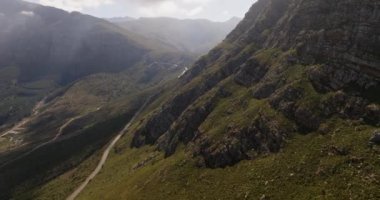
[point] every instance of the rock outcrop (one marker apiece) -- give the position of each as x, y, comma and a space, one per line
264, 135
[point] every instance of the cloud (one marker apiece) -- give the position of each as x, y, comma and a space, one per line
218, 10
2, 14
184, 8
27, 13
195, 11
75, 5
147, 8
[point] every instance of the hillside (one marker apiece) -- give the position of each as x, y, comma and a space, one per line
196, 36
286, 107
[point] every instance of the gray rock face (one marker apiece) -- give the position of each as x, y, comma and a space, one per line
327, 78
186, 127
161, 121
250, 72
350, 107
265, 89
347, 37
285, 100
263, 136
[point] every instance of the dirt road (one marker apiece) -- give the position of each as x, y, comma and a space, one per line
105, 155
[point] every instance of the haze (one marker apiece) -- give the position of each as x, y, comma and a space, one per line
216, 10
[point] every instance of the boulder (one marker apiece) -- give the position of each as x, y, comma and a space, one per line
375, 139
265, 89
251, 72
372, 114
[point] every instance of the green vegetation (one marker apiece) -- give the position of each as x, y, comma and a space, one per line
4, 144
66, 182
236, 111
310, 167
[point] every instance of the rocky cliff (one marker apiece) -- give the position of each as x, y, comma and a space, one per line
300, 62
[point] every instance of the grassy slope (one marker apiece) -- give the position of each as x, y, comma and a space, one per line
305, 169
67, 182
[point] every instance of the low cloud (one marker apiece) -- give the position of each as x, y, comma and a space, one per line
219, 10
150, 8
185, 8
27, 13
75, 5
2, 14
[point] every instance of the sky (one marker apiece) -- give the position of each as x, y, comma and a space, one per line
216, 10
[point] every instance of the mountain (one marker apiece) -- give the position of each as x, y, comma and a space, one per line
120, 19
196, 36
44, 41
289, 67
44, 48
286, 107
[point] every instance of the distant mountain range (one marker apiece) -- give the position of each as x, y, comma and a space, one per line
196, 36
120, 19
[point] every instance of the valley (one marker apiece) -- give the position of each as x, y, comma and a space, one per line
282, 104
17, 129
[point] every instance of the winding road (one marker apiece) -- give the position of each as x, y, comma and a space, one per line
43, 144
16, 129
106, 154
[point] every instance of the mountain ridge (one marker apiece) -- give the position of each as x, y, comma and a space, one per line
181, 34
259, 71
